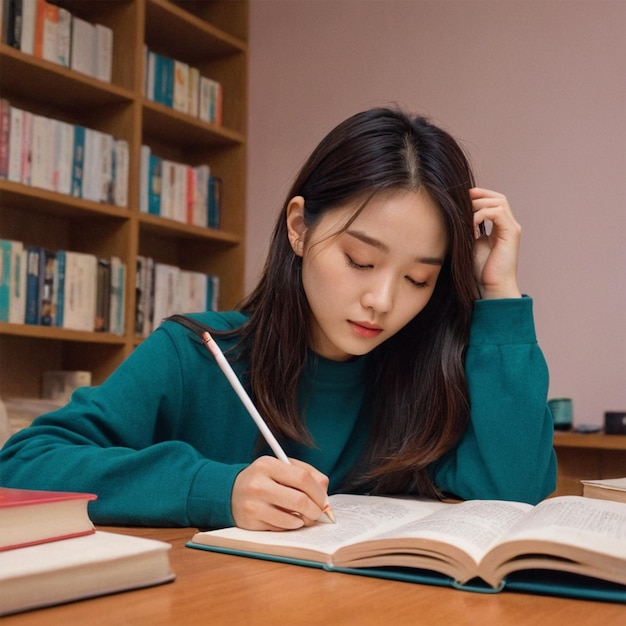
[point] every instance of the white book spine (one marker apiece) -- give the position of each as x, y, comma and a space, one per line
144, 179
194, 91
64, 36
81, 272
64, 157
103, 57
82, 49
27, 39
42, 163
27, 146
49, 46
120, 183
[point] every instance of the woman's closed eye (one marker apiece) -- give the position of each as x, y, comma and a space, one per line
358, 266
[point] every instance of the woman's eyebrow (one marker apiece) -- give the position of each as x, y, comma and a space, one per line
379, 245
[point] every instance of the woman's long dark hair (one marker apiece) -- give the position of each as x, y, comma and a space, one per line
418, 393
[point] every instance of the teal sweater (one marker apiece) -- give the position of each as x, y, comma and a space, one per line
163, 439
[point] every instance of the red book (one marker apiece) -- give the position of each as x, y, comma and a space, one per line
30, 517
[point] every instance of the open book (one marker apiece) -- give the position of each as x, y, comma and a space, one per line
479, 539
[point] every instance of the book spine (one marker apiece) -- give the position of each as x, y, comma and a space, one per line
180, 98
103, 296
5, 279
82, 47
27, 146
16, 119
27, 37
32, 285
120, 183
64, 157
64, 37
47, 271
144, 179
103, 55
78, 161
60, 287
154, 185
106, 176
46, 31
5, 136
42, 162
17, 298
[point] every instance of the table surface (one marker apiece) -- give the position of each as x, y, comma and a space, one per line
219, 589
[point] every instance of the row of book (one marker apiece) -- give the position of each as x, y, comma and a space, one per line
182, 87
53, 33
58, 156
163, 290
178, 191
62, 288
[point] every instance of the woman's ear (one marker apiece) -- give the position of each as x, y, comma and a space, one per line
296, 227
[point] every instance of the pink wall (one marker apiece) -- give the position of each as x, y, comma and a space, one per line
535, 90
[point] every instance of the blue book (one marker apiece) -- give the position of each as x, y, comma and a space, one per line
164, 80
5, 279
60, 287
215, 201
78, 161
154, 184
33, 254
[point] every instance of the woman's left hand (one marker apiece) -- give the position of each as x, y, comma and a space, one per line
496, 253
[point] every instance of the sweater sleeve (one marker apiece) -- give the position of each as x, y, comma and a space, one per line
122, 441
506, 450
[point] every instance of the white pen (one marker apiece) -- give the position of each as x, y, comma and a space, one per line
228, 371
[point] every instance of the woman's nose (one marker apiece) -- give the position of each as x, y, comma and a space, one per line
378, 295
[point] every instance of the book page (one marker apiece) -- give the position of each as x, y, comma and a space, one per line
473, 526
598, 525
358, 518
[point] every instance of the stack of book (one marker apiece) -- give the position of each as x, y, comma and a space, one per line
66, 158
53, 33
50, 552
63, 288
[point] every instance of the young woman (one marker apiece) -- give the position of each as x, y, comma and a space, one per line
386, 344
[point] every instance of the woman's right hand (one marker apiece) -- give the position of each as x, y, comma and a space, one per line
272, 495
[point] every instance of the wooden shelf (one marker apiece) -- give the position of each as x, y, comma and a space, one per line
598, 441
210, 35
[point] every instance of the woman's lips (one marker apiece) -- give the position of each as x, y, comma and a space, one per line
363, 329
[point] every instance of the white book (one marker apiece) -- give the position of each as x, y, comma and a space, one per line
103, 56
79, 293
64, 155
82, 48
17, 298
204, 104
181, 87
147, 281
64, 37
43, 152
144, 179
27, 146
193, 291
27, 38
200, 215
168, 176
80, 567
166, 292
116, 312
179, 193
120, 168
150, 73
92, 170
16, 121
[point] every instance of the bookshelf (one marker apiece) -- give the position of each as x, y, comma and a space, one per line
209, 35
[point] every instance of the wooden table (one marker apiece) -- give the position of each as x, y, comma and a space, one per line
587, 456
220, 590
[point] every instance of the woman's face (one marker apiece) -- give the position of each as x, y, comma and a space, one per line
366, 282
